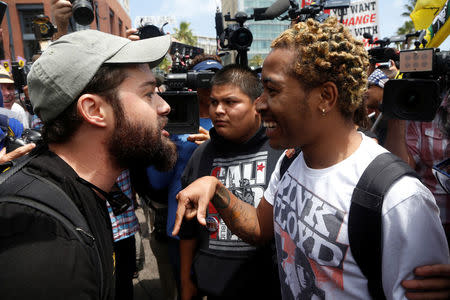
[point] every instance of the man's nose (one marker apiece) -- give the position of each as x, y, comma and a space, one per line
163, 106
220, 109
261, 103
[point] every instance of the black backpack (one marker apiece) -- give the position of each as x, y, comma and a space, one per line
364, 220
39, 193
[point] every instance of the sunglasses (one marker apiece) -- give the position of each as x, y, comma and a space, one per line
442, 173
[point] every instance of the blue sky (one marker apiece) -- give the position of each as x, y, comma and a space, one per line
200, 13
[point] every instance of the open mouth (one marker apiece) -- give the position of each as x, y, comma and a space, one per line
271, 128
270, 125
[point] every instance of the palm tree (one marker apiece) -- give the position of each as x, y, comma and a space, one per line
165, 65
184, 34
256, 60
408, 26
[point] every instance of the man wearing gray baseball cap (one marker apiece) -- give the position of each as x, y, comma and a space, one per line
95, 94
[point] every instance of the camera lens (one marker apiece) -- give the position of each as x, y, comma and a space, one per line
83, 13
241, 39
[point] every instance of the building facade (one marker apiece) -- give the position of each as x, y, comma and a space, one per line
264, 32
208, 44
18, 39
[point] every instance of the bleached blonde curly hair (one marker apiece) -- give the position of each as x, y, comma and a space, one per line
327, 52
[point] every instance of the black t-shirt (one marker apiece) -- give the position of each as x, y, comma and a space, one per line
224, 265
39, 259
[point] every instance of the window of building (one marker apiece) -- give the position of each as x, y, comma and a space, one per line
111, 21
120, 27
27, 12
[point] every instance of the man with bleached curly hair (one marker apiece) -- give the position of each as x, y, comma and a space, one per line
314, 80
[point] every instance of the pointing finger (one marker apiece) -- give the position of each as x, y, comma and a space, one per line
201, 211
179, 216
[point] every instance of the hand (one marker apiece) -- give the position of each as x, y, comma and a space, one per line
193, 201
434, 285
188, 289
130, 34
61, 11
200, 137
21, 151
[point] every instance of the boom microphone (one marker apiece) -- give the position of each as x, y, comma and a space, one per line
277, 9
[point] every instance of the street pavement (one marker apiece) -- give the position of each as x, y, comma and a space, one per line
149, 285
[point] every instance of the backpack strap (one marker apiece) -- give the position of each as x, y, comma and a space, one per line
364, 221
287, 161
24, 188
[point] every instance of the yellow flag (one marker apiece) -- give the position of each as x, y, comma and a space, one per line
425, 11
439, 29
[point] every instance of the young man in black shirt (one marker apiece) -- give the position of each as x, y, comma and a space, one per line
239, 155
95, 94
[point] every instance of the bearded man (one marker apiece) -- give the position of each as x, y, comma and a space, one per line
95, 94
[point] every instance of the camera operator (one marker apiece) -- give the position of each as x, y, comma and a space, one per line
9, 97
12, 125
69, 15
61, 12
422, 145
373, 100
374, 93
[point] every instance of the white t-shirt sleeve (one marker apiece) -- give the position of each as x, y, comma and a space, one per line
24, 116
412, 235
270, 192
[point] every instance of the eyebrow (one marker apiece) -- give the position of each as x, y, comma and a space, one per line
269, 80
225, 99
148, 83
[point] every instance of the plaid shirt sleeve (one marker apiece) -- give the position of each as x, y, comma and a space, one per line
428, 146
125, 224
413, 139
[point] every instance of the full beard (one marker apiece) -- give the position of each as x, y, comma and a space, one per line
136, 145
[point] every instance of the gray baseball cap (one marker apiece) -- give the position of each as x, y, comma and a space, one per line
68, 65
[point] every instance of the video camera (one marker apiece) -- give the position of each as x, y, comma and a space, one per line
182, 85
235, 36
314, 11
382, 54
417, 96
83, 11
43, 31
12, 142
184, 115
28, 136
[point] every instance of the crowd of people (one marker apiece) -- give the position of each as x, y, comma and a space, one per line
295, 187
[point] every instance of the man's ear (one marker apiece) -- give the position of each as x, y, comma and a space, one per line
328, 97
93, 109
